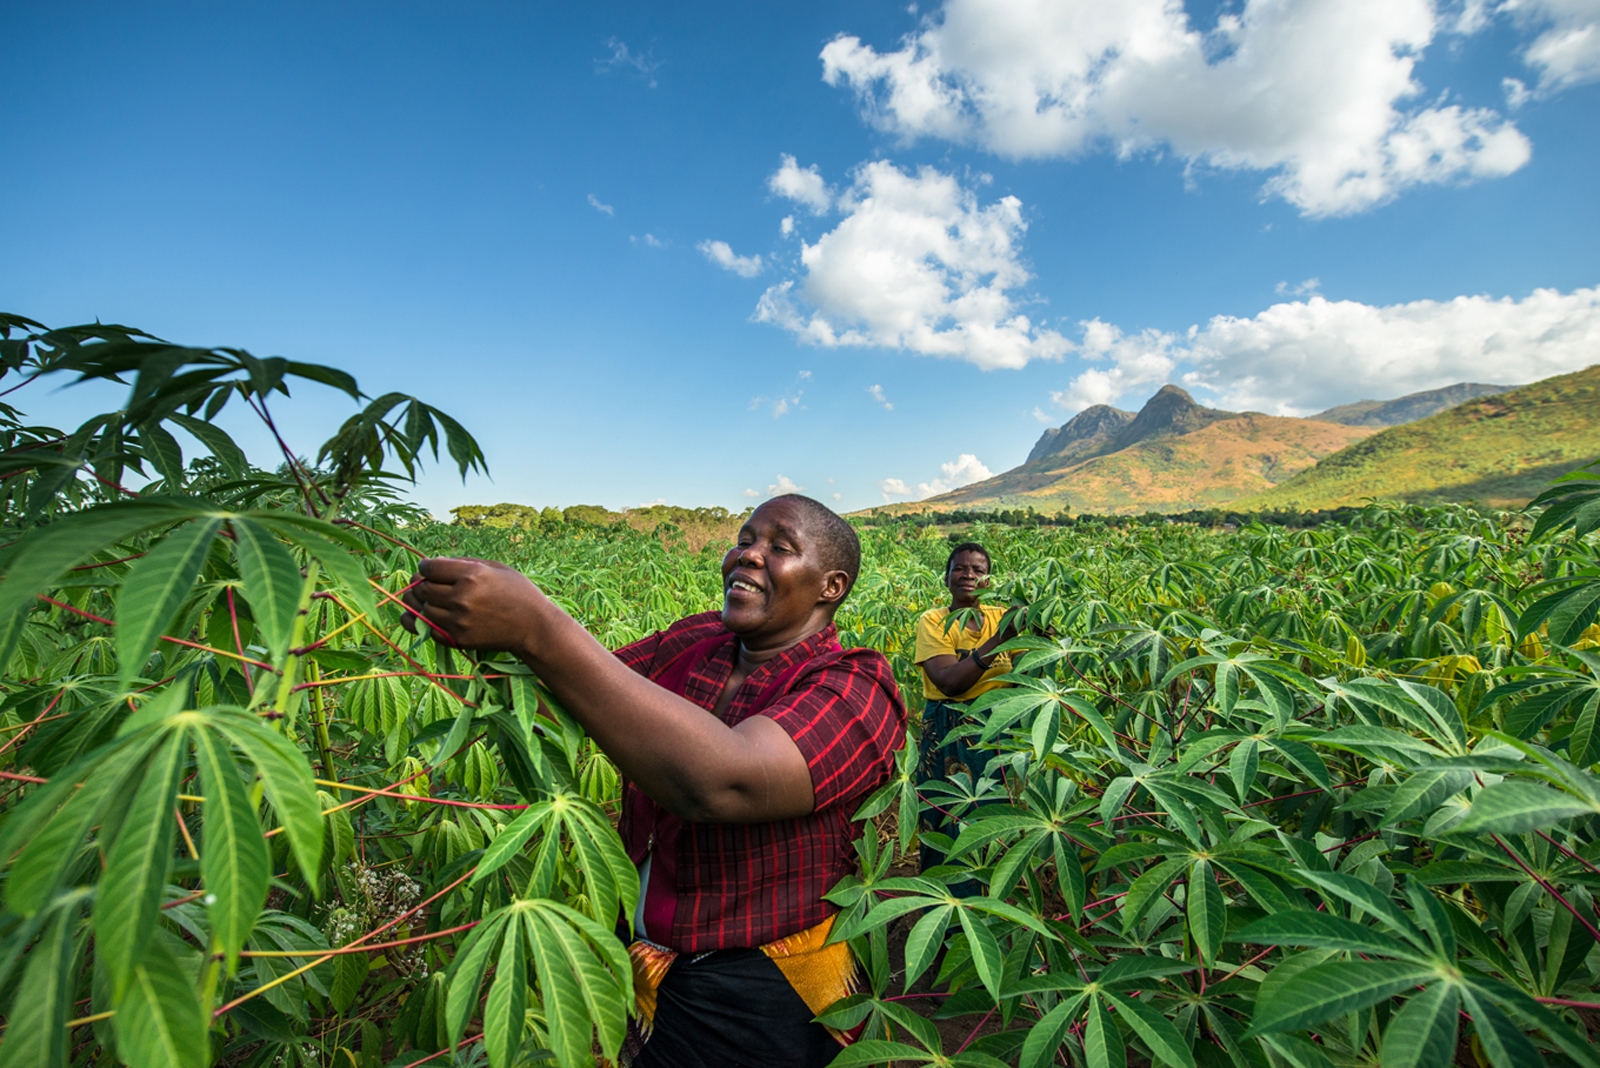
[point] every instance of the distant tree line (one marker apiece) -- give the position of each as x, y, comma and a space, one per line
694, 527
1200, 517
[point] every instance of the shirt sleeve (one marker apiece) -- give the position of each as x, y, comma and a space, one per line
847, 720
932, 637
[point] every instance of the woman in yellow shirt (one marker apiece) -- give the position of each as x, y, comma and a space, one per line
958, 662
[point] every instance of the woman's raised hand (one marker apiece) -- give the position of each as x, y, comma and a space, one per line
473, 604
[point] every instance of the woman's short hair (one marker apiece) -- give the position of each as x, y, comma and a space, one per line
967, 547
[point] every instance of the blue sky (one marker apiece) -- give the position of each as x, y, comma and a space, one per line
565, 224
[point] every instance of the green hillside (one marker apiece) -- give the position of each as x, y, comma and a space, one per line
1175, 469
1499, 451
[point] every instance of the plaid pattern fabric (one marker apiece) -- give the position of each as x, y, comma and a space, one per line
746, 885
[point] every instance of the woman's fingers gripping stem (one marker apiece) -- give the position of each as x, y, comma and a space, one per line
477, 604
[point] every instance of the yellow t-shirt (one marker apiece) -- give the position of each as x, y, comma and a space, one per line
933, 640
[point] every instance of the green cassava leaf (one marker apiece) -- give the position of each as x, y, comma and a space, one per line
235, 866
155, 586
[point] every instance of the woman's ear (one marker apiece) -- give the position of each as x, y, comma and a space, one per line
835, 585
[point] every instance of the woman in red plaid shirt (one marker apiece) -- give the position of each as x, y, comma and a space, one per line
746, 737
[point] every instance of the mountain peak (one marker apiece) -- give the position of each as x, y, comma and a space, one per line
1095, 423
1171, 411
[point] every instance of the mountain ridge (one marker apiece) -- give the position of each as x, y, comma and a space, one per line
1411, 407
1499, 450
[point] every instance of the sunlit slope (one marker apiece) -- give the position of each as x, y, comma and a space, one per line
1231, 457
1498, 450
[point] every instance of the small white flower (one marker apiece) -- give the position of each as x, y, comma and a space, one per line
209, 900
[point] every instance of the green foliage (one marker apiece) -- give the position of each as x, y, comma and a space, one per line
1273, 797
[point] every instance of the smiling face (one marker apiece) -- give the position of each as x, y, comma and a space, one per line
776, 589
968, 574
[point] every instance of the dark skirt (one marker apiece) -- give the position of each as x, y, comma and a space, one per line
730, 1008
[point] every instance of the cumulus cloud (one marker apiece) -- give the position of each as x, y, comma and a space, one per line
892, 488
786, 227
837, 496
804, 186
1317, 94
1300, 357
876, 393
644, 64
916, 263
719, 253
594, 202
785, 484
749, 493
1567, 51
962, 471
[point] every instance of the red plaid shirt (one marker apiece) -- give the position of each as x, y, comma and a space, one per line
748, 884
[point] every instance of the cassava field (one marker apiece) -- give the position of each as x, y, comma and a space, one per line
1268, 798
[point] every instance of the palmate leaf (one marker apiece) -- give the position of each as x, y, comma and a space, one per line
1206, 912
1323, 931
159, 1022
288, 780
1333, 989
1045, 1037
235, 865
468, 968
1515, 806
1102, 1041
924, 940
1423, 1033
505, 1011
36, 1030
584, 975
1502, 1039
330, 546
55, 821
986, 954
129, 895
155, 586
610, 881
214, 438
272, 583
44, 555
1425, 791
1159, 1035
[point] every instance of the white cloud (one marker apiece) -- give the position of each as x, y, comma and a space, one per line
876, 393
1300, 357
749, 493
1318, 94
594, 202
1135, 361
1567, 52
719, 253
837, 496
786, 227
917, 264
1517, 93
650, 240
1304, 289
962, 471
621, 56
1040, 414
804, 186
785, 484
893, 487
652, 504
